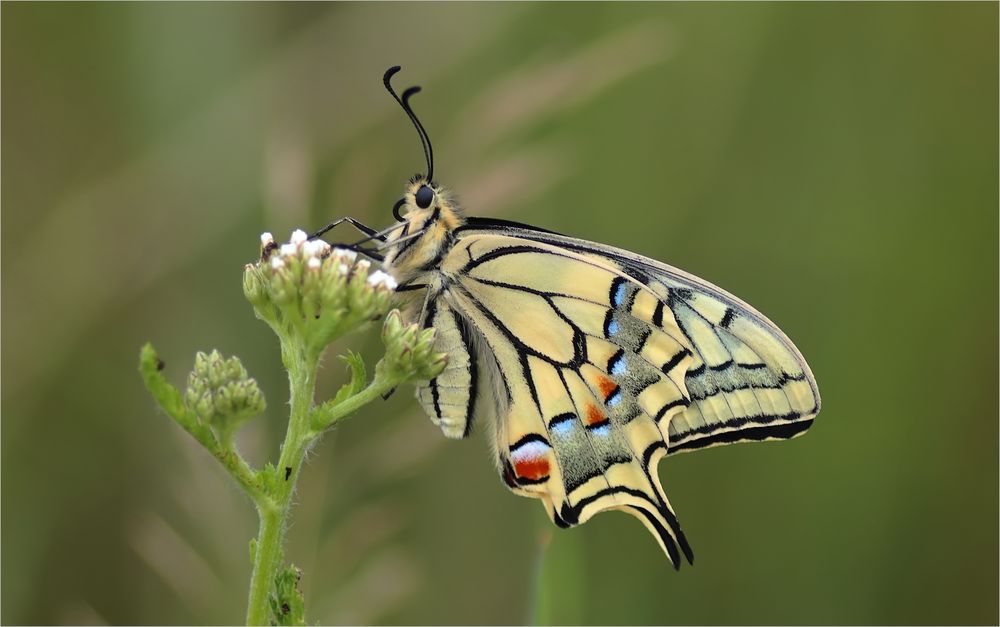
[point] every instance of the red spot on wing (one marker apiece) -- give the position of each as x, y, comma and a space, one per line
533, 468
594, 416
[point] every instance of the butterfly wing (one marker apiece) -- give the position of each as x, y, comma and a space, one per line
589, 381
594, 360
748, 382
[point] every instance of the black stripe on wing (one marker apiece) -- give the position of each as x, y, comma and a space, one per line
523, 350
570, 514
466, 336
783, 431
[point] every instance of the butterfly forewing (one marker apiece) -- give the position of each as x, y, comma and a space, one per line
747, 380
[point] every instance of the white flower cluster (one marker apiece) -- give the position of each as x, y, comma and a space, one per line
313, 253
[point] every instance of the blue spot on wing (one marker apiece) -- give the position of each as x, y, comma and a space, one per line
563, 424
619, 296
602, 430
613, 327
563, 428
615, 399
618, 367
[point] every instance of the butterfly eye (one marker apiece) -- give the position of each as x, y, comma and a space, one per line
425, 196
395, 210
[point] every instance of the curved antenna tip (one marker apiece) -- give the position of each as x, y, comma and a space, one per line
389, 73
410, 92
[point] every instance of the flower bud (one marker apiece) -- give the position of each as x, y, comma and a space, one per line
221, 393
282, 288
333, 281
267, 246
410, 352
345, 255
298, 237
253, 285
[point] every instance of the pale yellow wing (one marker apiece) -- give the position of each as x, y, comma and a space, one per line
596, 363
748, 381
588, 385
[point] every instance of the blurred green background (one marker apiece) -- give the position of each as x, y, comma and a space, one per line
833, 164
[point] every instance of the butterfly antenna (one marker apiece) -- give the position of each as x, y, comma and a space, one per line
425, 140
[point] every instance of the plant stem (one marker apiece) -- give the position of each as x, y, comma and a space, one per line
241, 472
268, 556
267, 560
328, 414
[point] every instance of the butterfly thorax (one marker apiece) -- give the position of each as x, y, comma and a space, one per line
427, 235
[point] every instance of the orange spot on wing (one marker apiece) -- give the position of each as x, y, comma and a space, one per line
607, 386
532, 468
594, 415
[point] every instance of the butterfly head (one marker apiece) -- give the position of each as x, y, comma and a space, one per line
429, 214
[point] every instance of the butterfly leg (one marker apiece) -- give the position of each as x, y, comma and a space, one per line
423, 310
356, 247
361, 226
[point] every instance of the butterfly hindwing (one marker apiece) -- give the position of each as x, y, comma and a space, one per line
593, 380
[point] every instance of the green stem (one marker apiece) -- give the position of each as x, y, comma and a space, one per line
268, 556
267, 560
329, 413
241, 472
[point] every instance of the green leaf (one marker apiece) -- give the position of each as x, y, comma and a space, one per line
359, 377
167, 396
